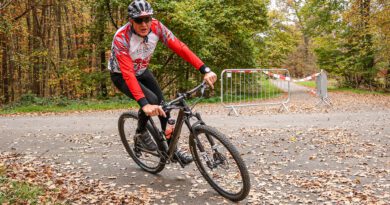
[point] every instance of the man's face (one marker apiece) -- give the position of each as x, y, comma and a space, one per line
142, 25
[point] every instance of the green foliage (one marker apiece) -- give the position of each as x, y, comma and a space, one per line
221, 33
13, 192
32, 99
345, 40
277, 42
28, 99
322, 17
349, 39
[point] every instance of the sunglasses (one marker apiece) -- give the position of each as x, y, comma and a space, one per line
140, 20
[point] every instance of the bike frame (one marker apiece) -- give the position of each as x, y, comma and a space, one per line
184, 116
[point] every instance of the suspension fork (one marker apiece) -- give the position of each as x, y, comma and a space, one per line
203, 153
201, 122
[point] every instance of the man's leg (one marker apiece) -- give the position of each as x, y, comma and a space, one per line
144, 136
142, 117
147, 79
142, 121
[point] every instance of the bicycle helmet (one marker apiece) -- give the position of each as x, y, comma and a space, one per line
139, 8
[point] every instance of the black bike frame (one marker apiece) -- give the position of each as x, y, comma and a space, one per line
184, 116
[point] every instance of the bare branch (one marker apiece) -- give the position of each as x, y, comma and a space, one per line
4, 4
110, 14
29, 9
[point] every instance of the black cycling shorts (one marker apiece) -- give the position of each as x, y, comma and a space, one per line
148, 83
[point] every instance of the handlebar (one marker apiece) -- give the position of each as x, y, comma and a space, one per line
170, 105
202, 85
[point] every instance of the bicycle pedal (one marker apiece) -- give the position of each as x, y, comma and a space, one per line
176, 159
138, 154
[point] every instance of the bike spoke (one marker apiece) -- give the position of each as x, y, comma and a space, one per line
221, 168
149, 160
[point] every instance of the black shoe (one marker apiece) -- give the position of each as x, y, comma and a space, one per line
183, 156
146, 141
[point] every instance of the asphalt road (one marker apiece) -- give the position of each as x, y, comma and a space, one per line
293, 157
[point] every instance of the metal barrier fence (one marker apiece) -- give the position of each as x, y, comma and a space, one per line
322, 88
252, 87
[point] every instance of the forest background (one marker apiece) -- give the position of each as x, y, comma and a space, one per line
56, 48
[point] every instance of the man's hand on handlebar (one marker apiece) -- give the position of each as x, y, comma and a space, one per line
153, 110
210, 78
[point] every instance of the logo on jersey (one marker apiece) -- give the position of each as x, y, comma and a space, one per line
140, 65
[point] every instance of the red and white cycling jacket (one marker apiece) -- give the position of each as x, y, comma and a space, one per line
131, 53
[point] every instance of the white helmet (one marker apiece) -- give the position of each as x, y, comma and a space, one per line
139, 8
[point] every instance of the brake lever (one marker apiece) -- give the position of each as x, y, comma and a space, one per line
203, 89
165, 106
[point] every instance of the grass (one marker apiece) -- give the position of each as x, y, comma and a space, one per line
80, 105
29, 103
32, 104
12, 192
66, 105
250, 97
332, 86
311, 84
47, 105
268, 91
359, 91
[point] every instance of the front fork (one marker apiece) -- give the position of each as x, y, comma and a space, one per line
209, 161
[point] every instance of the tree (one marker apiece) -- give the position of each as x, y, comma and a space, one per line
277, 42
221, 33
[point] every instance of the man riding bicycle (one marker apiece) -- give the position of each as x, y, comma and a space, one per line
132, 48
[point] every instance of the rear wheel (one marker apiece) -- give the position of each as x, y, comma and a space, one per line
220, 163
149, 161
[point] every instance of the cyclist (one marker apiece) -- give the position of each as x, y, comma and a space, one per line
132, 49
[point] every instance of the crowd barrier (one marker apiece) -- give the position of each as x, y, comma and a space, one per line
253, 87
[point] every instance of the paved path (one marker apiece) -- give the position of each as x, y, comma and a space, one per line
308, 155
282, 152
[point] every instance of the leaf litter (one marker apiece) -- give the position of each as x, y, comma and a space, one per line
287, 166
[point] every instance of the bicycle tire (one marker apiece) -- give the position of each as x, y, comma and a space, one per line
207, 130
121, 122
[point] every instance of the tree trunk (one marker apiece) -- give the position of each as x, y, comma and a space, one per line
60, 43
11, 75
29, 87
19, 74
367, 45
36, 59
103, 86
306, 49
68, 33
4, 66
59, 31
44, 28
101, 24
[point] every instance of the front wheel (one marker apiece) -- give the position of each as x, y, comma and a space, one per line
220, 163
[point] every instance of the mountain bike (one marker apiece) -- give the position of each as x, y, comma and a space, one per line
215, 156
